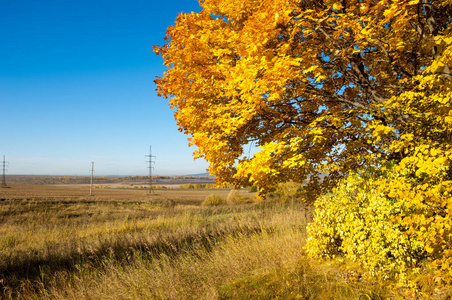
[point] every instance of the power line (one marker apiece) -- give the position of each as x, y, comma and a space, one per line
150, 167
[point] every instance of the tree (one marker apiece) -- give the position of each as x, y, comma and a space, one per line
325, 87
321, 87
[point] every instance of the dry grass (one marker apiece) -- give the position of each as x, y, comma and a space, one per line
60, 243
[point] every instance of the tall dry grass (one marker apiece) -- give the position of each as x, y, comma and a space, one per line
161, 247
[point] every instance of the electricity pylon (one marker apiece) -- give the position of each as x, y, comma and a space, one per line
4, 174
91, 185
150, 167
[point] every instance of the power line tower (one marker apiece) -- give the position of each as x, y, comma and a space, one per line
4, 173
91, 185
150, 167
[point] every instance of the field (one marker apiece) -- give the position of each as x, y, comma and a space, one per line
110, 181
57, 242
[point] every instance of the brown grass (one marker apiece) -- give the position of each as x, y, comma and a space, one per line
60, 243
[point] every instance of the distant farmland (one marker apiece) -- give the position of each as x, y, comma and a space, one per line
110, 181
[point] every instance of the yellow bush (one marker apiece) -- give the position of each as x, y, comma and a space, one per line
213, 200
235, 197
357, 221
423, 184
187, 186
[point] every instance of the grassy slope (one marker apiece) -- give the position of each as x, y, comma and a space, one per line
124, 244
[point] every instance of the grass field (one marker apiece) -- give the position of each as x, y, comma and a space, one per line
57, 242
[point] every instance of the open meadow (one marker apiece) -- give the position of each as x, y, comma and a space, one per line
57, 242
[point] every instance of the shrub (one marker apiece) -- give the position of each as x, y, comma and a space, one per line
187, 186
213, 200
358, 221
235, 197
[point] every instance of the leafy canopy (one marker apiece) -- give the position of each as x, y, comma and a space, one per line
320, 87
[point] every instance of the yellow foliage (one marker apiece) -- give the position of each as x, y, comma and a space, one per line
357, 221
388, 222
325, 90
319, 89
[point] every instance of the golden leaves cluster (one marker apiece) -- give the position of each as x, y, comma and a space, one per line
303, 81
357, 221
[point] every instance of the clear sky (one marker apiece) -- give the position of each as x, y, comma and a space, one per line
76, 85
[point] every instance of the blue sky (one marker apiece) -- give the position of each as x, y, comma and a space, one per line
76, 85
